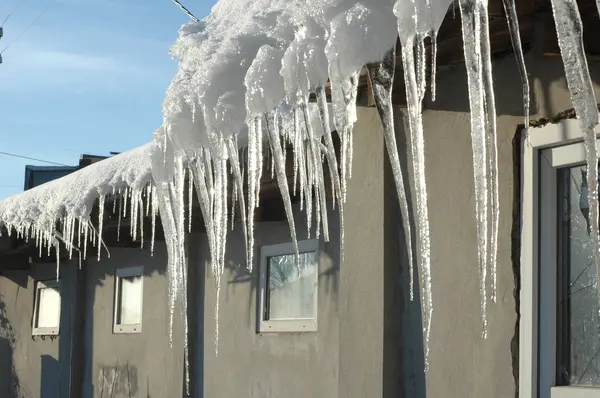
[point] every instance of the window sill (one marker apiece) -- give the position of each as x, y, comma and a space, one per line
44, 332
289, 326
575, 392
127, 329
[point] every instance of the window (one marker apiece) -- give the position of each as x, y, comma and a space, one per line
560, 325
128, 300
46, 313
288, 289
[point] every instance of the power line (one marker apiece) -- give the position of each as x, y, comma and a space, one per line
27, 28
11, 12
185, 10
34, 159
9, 186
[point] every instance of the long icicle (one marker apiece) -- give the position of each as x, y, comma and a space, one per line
382, 77
569, 30
414, 98
471, 31
515, 37
280, 170
492, 147
331, 160
239, 183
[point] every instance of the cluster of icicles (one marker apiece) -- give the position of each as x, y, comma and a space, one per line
279, 115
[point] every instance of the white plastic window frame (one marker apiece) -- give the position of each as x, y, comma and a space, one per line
285, 325
45, 331
127, 273
544, 150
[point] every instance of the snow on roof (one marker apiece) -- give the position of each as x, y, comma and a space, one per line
75, 193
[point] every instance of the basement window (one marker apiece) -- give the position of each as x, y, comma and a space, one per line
128, 300
46, 314
288, 289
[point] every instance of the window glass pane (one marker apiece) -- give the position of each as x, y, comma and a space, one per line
48, 307
578, 345
291, 286
130, 301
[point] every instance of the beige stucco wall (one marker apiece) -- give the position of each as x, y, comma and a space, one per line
462, 363
36, 366
143, 364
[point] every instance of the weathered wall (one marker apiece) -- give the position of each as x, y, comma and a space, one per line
345, 357
131, 365
462, 363
34, 366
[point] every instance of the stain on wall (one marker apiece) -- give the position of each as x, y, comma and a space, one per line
117, 381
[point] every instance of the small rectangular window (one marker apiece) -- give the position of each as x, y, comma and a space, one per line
288, 289
46, 314
128, 300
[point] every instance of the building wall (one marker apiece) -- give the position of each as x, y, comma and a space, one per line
461, 362
346, 356
34, 366
131, 365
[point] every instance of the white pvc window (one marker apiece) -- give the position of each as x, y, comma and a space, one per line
128, 300
46, 314
560, 325
288, 288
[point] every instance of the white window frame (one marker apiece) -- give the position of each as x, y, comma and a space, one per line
543, 149
285, 325
127, 273
45, 331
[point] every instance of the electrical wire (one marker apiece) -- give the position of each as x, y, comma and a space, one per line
11, 12
27, 28
34, 159
185, 10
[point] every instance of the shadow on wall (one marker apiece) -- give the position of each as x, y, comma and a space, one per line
50, 386
9, 381
404, 359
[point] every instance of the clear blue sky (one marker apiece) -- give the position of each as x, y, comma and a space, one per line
88, 77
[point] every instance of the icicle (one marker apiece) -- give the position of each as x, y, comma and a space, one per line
343, 94
471, 29
259, 157
86, 228
515, 37
120, 215
492, 149
57, 246
100, 222
331, 160
126, 196
434, 63
114, 199
253, 186
154, 212
142, 226
569, 31
382, 77
239, 187
317, 175
190, 198
276, 151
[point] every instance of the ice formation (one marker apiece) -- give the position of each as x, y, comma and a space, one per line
242, 100
59, 211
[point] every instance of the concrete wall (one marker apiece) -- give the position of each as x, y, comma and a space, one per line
34, 366
346, 357
462, 363
131, 365
263, 365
